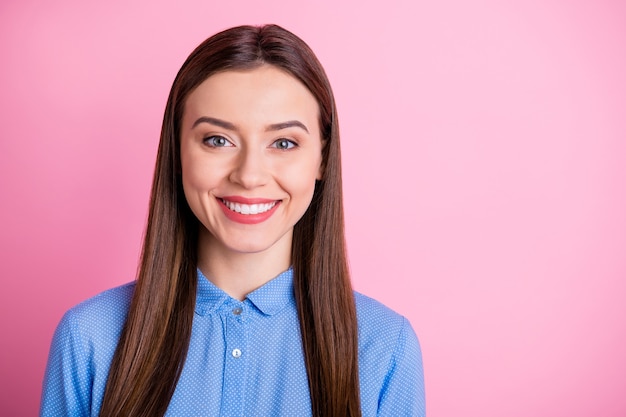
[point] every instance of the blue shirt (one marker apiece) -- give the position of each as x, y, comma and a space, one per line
245, 357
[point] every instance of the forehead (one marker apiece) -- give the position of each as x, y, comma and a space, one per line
262, 95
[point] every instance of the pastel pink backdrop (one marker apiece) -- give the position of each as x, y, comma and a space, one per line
485, 179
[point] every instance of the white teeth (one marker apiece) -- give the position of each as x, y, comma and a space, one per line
249, 208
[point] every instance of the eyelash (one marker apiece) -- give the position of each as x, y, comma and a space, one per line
290, 144
210, 141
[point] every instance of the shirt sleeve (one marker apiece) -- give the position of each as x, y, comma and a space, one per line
68, 376
403, 390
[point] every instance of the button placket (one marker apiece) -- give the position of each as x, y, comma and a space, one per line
235, 364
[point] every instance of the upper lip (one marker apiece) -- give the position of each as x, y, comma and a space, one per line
246, 200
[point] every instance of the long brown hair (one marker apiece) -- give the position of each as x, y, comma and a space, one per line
153, 346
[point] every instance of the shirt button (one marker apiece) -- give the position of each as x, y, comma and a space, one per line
236, 353
237, 311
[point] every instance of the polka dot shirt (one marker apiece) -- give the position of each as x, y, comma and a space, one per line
245, 357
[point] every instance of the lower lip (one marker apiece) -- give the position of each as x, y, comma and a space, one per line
247, 218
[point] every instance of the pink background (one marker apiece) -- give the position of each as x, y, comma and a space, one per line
485, 179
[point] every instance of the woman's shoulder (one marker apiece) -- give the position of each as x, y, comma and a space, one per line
381, 329
81, 350
390, 361
107, 302
374, 316
104, 311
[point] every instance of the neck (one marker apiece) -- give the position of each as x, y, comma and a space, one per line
240, 273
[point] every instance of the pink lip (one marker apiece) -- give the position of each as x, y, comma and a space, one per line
247, 218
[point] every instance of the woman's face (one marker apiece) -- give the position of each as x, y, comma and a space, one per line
251, 150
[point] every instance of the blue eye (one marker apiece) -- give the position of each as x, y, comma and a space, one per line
217, 141
284, 144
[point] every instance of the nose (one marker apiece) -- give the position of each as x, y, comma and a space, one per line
249, 169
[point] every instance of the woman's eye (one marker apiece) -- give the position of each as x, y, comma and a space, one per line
217, 141
284, 144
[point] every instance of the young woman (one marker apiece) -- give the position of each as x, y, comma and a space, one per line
243, 304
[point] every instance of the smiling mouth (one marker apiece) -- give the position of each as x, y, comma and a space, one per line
248, 208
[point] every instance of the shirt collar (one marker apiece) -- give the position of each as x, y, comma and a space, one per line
275, 294
269, 299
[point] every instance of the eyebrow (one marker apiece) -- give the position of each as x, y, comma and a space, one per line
217, 122
285, 125
228, 125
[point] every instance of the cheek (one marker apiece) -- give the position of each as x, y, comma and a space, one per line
198, 173
192, 181
190, 190
299, 181
197, 181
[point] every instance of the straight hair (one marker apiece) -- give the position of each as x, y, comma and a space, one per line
152, 349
